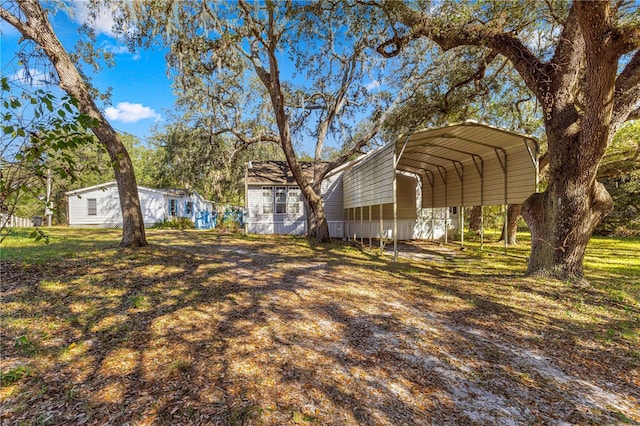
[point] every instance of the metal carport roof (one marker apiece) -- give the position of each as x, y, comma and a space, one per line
464, 164
470, 164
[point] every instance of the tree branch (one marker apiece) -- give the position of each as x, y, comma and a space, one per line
534, 73
628, 38
23, 27
634, 115
478, 75
569, 53
627, 92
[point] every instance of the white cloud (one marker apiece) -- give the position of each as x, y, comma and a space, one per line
32, 77
115, 48
372, 86
131, 113
103, 22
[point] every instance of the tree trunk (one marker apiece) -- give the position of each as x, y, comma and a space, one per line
271, 81
38, 29
133, 232
321, 224
562, 218
513, 214
475, 219
558, 242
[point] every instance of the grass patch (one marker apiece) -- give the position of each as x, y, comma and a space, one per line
13, 375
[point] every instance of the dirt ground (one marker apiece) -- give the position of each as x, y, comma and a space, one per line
202, 329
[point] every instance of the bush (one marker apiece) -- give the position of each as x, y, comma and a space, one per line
175, 223
624, 220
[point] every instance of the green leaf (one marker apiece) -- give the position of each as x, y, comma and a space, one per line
8, 130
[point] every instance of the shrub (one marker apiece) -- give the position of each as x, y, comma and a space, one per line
175, 223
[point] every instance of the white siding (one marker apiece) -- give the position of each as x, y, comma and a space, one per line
153, 207
260, 223
153, 203
107, 208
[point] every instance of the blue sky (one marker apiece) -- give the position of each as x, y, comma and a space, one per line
141, 90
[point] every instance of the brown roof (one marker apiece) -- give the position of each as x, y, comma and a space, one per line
275, 172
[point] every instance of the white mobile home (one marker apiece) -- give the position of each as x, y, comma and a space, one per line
99, 206
275, 204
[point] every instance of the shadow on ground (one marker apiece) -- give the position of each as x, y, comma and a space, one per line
205, 328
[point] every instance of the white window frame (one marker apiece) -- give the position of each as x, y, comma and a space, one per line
267, 200
280, 200
188, 208
294, 196
173, 207
92, 210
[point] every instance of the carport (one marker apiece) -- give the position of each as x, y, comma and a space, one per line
466, 164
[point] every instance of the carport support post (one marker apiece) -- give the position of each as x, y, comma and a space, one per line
503, 165
443, 175
370, 230
460, 171
395, 219
346, 225
355, 239
461, 224
381, 232
481, 227
479, 163
432, 182
506, 228
361, 226
246, 197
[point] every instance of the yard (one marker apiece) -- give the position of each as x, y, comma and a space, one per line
211, 328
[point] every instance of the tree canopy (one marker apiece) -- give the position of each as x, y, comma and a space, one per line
586, 77
279, 72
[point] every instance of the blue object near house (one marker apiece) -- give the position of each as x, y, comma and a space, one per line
234, 214
206, 220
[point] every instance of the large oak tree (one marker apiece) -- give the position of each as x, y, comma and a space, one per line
31, 20
587, 81
315, 63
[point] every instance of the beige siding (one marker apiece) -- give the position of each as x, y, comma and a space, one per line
408, 229
520, 182
370, 182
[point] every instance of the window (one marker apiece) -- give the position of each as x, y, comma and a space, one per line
92, 207
281, 199
453, 210
267, 200
188, 208
293, 202
286, 200
173, 207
